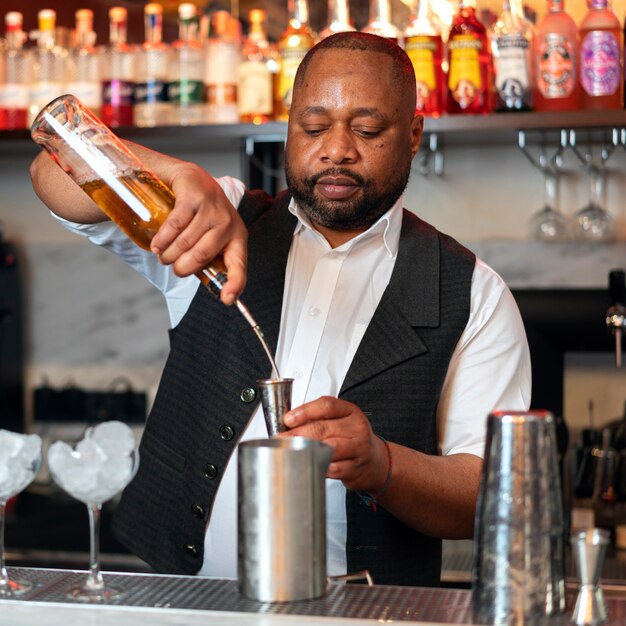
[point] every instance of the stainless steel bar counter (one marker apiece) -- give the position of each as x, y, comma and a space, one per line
176, 600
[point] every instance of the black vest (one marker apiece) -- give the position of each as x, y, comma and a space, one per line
207, 395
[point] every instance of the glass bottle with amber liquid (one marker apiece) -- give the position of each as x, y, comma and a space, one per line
257, 72
338, 20
601, 79
295, 41
424, 46
511, 46
380, 22
469, 63
555, 53
132, 196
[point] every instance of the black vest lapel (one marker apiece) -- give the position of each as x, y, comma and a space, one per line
410, 301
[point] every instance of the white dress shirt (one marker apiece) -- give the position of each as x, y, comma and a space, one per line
329, 299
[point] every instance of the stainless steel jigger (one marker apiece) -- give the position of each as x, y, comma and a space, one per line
276, 401
589, 546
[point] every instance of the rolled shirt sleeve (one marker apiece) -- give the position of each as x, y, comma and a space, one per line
177, 291
489, 369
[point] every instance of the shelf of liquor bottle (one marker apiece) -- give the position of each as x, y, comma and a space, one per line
495, 128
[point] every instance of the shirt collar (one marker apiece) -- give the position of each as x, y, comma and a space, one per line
387, 226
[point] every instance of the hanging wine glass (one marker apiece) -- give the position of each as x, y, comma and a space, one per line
93, 471
549, 224
20, 460
593, 222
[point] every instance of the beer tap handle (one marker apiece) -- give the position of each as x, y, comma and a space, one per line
616, 313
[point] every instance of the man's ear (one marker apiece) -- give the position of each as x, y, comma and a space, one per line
417, 129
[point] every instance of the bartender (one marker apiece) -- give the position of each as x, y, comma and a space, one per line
399, 339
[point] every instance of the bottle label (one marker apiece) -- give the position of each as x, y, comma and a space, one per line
151, 92
600, 70
221, 94
512, 68
90, 94
13, 96
291, 58
118, 93
556, 71
254, 88
186, 92
421, 50
464, 80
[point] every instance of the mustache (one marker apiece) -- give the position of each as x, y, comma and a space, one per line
337, 171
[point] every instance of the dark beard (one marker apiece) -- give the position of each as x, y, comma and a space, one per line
353, 213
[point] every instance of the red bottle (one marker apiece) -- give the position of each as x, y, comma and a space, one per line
470, 73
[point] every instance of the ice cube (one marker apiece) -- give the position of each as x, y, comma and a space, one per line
114, 437
10, 444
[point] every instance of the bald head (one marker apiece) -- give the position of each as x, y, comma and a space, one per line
402, 75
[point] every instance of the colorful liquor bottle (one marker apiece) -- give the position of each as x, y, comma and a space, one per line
83, 69
423, 44
15, 78
118, 73
511, 46
48, 66
469, 63
223, 55
295, 41
380, 22
601, 79
152, 107
186, 87
257, 72
555, 53
338, 19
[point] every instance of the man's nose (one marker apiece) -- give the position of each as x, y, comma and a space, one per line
339, 146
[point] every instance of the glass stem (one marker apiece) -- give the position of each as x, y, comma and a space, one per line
4, 576
94, 580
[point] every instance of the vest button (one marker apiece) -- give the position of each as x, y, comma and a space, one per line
247, 395
226, 432
197, 510
191, 550
209, 471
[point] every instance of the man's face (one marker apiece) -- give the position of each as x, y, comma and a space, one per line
351, 140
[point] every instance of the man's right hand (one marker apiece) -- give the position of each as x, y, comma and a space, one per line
202, 225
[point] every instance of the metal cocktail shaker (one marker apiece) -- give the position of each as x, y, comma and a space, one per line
518, 572
282, 518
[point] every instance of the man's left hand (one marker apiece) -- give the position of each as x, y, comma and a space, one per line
360, 458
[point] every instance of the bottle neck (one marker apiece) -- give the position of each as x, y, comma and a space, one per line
338, 12
380, 11
257, 33
516, 9
598, 5
117, 33
153, 26
299, 11
555, 6
188, 30
46, 39
467, 6
15, 39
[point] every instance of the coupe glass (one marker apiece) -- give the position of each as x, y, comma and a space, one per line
93, 471
549, 224
20, 460
593, 222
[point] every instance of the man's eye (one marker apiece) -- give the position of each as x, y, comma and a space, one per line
367, 132
313, 131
